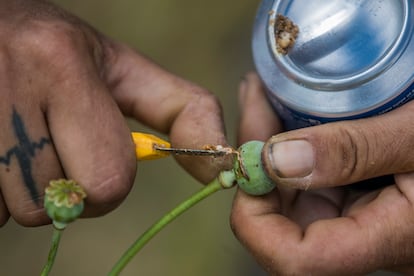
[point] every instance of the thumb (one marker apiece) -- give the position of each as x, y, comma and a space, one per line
345, 152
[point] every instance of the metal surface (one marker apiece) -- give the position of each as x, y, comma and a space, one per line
220, 151
352, 58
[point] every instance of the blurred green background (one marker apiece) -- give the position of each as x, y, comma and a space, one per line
207, 42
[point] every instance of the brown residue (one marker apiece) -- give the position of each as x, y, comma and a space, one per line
75, 198
286, 33
219, 149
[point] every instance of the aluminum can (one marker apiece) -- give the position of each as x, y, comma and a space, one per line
351, 59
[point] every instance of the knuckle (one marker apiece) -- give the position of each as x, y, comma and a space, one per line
111, 190
207, 99
30, 216
48, 38
56, 44
113, 186
203, 102
354, 150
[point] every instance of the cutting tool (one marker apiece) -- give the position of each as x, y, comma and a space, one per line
150, 147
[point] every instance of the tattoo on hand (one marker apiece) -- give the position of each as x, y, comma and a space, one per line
25, 151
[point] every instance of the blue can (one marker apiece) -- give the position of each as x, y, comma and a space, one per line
346, 59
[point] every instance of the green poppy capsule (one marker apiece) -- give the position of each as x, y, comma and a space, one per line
248, 168
64, 201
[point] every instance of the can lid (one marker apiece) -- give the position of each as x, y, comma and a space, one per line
341, 43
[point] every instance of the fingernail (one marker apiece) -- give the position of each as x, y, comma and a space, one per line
292, 158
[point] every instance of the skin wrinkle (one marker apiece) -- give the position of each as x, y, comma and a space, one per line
398, 138
367, 145
349, 159
103, 189
110, 194
25, 215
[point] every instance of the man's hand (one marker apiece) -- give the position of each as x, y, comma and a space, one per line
325, 228
64, 91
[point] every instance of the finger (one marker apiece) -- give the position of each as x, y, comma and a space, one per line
189, 114
405, 183
312, 205
362, 242
4, 213
257, 118
344, 152
91, 137
27, 162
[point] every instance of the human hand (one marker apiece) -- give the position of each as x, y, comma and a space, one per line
323, 228
65, 88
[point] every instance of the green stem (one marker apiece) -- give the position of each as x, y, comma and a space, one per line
57, 234
225, 180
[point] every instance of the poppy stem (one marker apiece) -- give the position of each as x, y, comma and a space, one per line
57, 234
225, 180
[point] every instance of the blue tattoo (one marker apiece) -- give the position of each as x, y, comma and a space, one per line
24, 151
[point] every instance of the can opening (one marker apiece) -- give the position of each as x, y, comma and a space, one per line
342, 44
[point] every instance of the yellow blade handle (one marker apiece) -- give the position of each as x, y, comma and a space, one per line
144, 146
